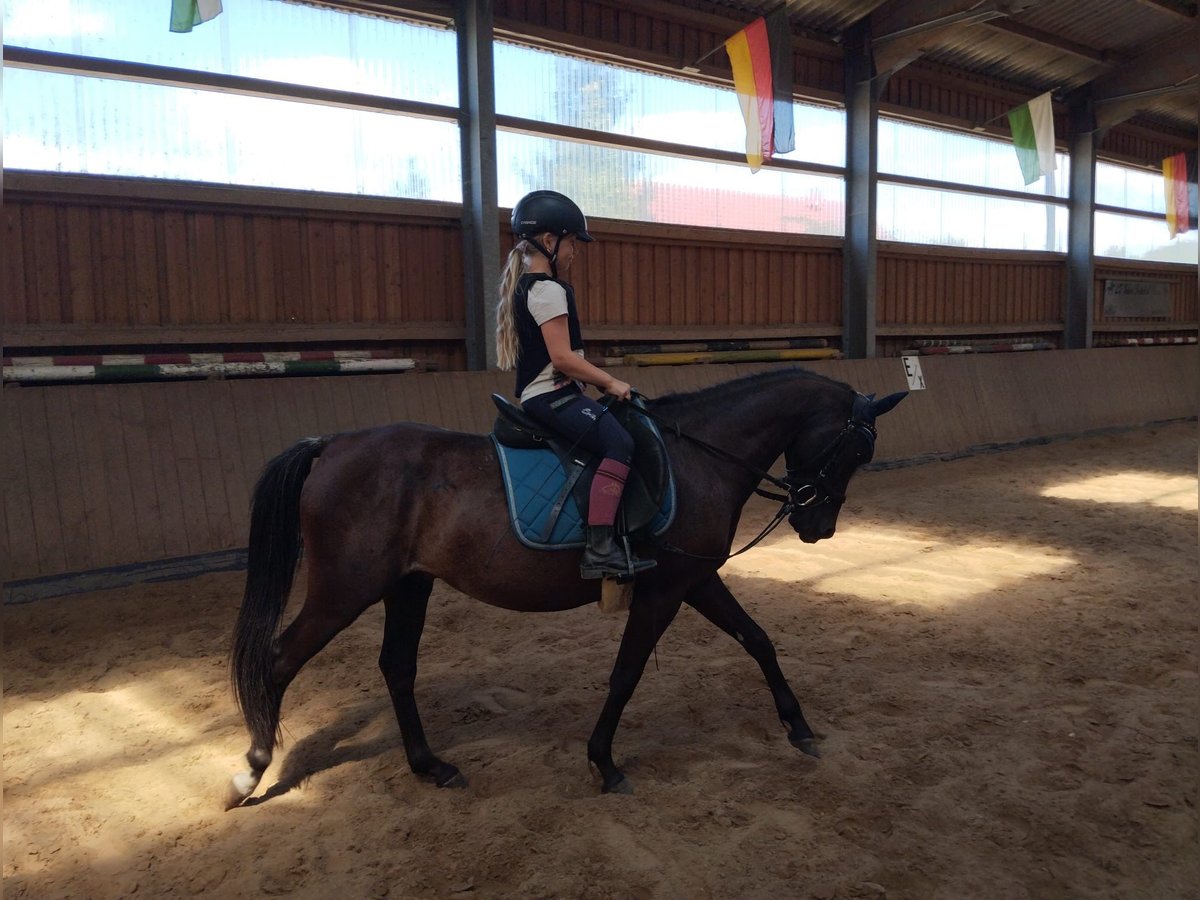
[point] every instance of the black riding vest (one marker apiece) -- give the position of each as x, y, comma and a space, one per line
534, 356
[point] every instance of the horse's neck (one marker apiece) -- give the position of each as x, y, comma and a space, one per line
757, 424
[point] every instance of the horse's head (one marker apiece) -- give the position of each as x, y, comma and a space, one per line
821, 462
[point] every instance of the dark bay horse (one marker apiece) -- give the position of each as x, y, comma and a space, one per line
387, 510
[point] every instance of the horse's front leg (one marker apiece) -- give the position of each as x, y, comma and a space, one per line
649, 616
713, 600
403, 623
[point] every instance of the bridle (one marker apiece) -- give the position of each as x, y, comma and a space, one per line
810, 491
802, 491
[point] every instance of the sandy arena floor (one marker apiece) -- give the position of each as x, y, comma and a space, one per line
1001, 653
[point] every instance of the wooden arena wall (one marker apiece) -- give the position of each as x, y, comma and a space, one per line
103, 262
103, 475
96, 263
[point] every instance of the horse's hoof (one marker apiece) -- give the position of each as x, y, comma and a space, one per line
807, 746
621, 786
454, 779
240, 787
233, 798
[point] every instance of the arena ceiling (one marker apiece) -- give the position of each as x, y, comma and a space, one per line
1135, 57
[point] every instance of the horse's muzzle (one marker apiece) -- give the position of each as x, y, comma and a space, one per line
812, 528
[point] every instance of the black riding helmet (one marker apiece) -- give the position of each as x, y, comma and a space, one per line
548, 211
542, 211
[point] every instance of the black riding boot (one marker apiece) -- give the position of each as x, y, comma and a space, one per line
605, 556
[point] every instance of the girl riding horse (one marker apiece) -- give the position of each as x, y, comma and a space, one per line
537, 333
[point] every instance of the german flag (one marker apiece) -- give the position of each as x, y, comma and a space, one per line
761, 57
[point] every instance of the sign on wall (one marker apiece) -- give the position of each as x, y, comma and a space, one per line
1136, 299
912, 371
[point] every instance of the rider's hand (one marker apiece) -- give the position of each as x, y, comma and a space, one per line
619, 389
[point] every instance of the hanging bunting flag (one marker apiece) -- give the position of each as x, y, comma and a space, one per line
1032, 126
187, 14
761, 58
1179, 189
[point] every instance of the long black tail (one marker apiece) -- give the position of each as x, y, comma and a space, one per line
271, 566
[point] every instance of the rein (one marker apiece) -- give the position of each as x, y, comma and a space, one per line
793, 483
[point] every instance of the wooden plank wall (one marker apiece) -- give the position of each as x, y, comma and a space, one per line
86, 270
196, 270
662, 282
964, 289
106, 271
105, 475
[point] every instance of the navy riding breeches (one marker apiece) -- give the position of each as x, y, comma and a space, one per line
582, 421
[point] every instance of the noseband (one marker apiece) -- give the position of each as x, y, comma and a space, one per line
810, 491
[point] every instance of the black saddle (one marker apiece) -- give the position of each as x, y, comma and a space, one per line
649, 480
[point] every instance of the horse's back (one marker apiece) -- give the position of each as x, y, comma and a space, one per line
413, 498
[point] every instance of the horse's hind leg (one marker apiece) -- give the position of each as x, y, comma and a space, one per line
327, 610
713, 600
403, 624
648, 619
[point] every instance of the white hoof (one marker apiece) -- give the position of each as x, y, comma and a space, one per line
241, 787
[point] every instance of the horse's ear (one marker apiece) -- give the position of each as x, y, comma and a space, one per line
887, 404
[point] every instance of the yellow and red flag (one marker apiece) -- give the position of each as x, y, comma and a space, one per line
1179, 188
761, 58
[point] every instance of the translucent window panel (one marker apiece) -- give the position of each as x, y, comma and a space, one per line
68, 123
563, 90
919, 151
1134, 237
950, 218
285, 42
624, 184
1130, 188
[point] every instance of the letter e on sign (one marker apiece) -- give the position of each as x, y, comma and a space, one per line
912, 371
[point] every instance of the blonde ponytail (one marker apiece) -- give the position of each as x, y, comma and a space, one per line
508, 347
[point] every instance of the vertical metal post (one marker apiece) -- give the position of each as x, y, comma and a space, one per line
473, 20
858, 247
1081, 139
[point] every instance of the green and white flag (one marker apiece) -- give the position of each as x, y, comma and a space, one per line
1032, 126
187, 14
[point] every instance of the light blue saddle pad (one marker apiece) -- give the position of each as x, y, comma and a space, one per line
534, 484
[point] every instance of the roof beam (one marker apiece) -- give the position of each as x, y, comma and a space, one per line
1051, 40
1169, 66
1115, 111
907, 29
1170, 6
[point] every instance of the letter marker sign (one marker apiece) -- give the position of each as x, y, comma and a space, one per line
912, 371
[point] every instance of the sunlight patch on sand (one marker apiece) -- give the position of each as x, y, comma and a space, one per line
149, 706
903, 567
1175, 491
158, 739
133, 739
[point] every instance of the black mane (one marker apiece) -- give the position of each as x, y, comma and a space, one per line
759, 381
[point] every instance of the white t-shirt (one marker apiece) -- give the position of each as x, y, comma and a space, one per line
546, 300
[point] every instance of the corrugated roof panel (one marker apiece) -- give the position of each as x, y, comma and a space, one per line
1116, 29
830, 17
1119, 25
1012, 58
